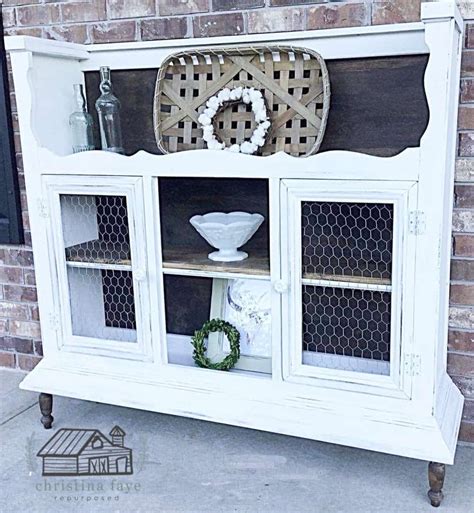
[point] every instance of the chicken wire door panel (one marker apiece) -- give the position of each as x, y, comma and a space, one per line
100, 266
352, 257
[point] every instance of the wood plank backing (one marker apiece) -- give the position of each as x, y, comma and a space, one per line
378, 105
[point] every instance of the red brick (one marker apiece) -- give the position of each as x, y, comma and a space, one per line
8, 15
395, 11
38, 347
20, 345
462, 341
113, 32
461, 365
37, 15
466, 145
30, 329
467, 62
462, 270
467, 90
34, 313
128, 9
463, 245
30, 278
278, 20
4, 326
461, 294
469, 35
163, 28
343, 15
11, 275
77, 12
468, 411
16, 257
14, 311
466, 433
466, 118
27, 362
460, 317
463, 220
464, 196
27, 238
23, 31
20, 2
229, 24
465, 385
18, 293
7, 360
282, 3
232, 5
26, 220
70, 33
174, 7
12, 95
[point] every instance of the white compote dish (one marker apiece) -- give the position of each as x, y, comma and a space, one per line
227, 233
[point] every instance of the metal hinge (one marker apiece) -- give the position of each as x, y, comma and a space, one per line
412, 364
417, 222
42, 208
54, 322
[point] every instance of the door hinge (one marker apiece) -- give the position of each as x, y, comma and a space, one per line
412, 364
417, 222
42, 208
54, 322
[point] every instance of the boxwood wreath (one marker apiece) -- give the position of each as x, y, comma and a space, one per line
230, 332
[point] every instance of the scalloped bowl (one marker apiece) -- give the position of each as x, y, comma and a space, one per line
227, 232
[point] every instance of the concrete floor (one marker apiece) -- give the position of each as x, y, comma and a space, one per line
189, 466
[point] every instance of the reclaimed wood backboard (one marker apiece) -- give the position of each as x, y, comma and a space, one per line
378, 105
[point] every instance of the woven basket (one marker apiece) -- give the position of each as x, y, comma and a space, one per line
295, 83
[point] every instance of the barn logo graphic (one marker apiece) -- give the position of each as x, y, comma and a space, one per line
86, 452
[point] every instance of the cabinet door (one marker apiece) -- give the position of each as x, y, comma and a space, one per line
348, 257
97, 239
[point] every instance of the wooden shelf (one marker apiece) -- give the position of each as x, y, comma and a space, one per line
99, 253
190, 262
362, 280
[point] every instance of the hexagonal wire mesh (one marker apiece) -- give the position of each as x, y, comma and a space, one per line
97, 227
96, 237
347, 327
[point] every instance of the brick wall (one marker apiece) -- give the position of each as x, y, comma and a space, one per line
103, 21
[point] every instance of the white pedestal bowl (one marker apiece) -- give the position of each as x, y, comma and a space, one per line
227, 232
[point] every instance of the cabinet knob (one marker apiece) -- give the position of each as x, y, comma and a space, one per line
139, 274
280, 286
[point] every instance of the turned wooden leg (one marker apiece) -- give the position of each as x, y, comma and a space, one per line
46, 407
436, 473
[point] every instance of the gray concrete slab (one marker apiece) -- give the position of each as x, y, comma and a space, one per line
189, 466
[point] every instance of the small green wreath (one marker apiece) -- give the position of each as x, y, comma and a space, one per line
231, 333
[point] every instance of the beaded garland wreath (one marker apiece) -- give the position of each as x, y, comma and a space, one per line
199, 353
226, 98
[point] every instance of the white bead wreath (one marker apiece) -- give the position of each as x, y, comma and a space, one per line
247, 95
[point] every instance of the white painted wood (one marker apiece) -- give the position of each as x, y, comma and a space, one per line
411, 412
78, 229
396, 193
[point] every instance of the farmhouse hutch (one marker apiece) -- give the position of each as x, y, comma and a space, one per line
355, 345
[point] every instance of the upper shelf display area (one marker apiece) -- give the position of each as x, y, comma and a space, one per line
378, 102
377, 106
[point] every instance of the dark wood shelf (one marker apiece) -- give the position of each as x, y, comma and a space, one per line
257, 264
99, 252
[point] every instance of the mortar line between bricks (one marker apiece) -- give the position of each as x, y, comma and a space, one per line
17, 414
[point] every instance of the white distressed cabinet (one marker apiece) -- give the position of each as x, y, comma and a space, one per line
354, 343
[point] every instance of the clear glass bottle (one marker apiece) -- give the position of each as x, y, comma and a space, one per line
81, 123
108, 110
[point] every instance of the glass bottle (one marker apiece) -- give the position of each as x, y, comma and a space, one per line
81, 123
108, 109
